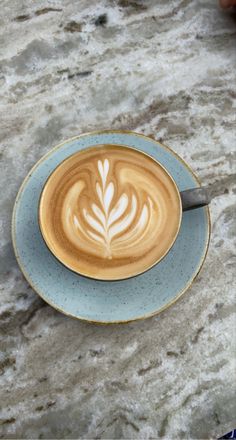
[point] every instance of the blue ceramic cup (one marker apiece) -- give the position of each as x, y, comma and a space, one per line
113, 212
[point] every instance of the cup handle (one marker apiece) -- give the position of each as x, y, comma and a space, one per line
194, 198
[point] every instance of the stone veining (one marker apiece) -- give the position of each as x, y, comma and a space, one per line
167, 69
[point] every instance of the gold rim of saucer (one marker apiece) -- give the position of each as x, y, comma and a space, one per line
84, 274
140, 318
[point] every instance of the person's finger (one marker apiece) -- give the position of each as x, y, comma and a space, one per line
227, 3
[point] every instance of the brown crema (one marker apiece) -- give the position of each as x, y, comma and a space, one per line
110, 212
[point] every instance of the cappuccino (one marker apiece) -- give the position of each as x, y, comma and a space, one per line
110, 212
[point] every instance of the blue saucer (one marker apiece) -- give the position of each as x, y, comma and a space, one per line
98, 301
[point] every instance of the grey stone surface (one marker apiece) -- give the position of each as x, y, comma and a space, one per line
167, 69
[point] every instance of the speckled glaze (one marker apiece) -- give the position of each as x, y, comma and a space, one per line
108, 302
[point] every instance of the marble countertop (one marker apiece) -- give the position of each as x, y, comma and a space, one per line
166, 69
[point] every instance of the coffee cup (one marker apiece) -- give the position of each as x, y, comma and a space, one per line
112, 212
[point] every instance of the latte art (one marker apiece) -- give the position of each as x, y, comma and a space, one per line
109, 212
113, 226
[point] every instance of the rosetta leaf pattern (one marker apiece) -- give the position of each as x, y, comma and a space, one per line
106, 223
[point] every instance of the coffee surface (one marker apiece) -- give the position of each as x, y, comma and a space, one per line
109, 212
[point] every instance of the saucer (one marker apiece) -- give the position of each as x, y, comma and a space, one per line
108, 301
